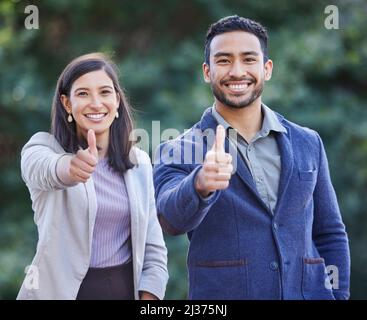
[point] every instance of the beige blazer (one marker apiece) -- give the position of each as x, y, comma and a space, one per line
65, 217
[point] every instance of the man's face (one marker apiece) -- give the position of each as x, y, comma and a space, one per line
237, 71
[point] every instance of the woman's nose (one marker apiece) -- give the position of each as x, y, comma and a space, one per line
95, 102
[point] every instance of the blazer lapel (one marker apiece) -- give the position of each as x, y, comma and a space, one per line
134, 218
287, 161
132, 187
129, 182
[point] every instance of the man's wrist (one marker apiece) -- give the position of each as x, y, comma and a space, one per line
201, 191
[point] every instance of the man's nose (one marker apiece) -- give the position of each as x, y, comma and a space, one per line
238, 70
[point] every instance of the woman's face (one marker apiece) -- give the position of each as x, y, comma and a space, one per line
93, 103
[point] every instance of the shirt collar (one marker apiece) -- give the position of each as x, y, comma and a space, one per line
270, 121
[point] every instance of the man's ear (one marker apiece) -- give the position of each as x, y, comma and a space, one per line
206, 72
268, 69
66, 103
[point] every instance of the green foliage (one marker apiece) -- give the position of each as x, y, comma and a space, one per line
319, 81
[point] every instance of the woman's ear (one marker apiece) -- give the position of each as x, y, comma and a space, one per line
66, 103
118, 98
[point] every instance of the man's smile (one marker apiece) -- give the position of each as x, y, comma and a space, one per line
238, 86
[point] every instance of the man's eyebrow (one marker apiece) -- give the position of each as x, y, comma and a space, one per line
227, 54
221, 54
250, 53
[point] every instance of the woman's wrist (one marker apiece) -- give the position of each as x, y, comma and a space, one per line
145, 295
63, 169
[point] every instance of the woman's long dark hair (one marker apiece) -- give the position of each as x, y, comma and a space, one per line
119, 145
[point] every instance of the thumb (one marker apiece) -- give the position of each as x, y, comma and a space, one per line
92, 143
219, 139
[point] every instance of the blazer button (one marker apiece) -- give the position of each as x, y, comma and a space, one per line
275, 226
274, 266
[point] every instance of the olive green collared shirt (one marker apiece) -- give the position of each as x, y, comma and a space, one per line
261, 154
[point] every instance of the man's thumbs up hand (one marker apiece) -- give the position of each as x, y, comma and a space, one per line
217, 168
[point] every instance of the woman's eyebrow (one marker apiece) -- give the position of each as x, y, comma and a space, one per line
81, 89
101, 87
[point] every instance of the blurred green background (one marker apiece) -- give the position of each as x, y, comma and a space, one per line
319, 81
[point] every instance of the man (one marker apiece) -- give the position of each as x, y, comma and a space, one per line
260, 211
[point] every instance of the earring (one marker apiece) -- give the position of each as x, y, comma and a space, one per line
70, 118
117, 114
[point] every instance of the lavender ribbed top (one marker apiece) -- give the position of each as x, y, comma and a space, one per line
111, 243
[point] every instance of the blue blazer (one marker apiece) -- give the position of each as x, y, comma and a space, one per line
238, 248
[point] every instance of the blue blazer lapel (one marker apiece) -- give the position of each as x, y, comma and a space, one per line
287, 162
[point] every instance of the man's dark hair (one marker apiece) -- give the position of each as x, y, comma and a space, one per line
236, 23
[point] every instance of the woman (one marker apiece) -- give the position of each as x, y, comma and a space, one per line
92, 194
